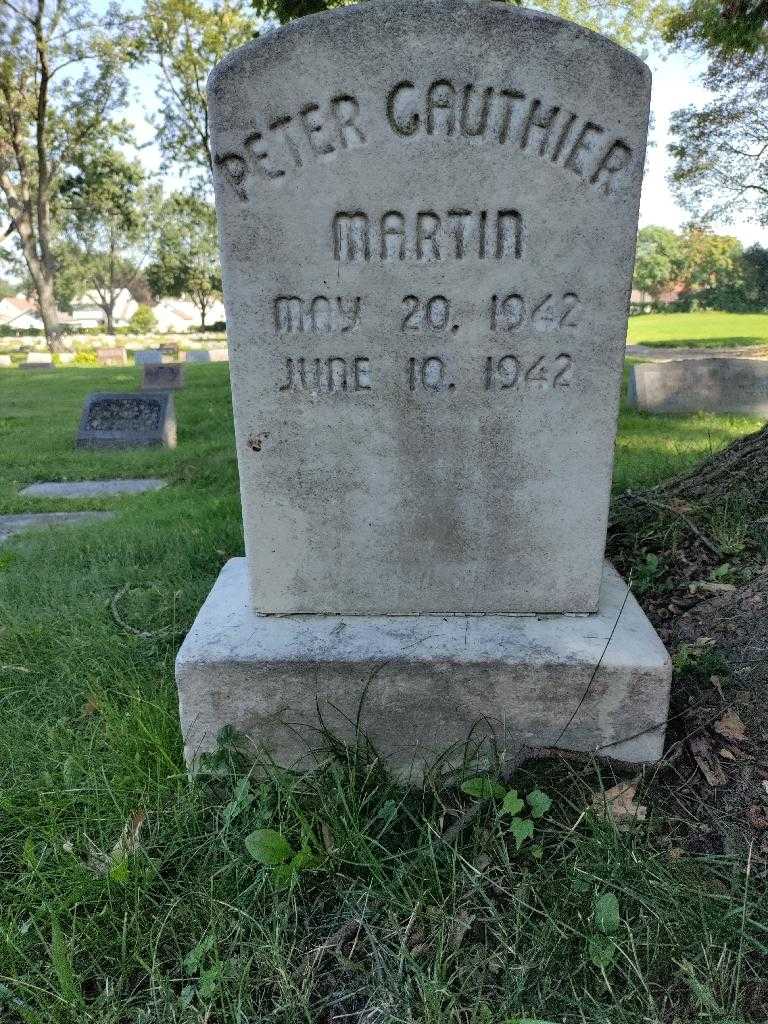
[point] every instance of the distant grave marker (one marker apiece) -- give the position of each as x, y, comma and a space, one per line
701, 385
38, 361
120, 420
90, 488
211, 355
20, 523
112, 356
148, 357
168, 376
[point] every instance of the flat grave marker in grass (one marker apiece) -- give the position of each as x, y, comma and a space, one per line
124, 420
12, 524
90, 488
701, 385
38, 361
168, 376
417, 437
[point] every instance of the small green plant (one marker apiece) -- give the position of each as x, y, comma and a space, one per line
697, 662
724, 573
273, 850
207, 976
647, 573
601, 944
85, 357
728, 525
512, 805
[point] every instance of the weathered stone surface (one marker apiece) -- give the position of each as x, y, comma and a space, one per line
701, 385
147, 357
38, 361
9, 525
112, 356
6, 360
427, 215
426, 681
169, 376
120, 420
211, 355
90, 488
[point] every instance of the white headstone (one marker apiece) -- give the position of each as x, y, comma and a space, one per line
39, 360
427, 214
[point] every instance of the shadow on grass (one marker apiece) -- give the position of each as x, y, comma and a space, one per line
734, 342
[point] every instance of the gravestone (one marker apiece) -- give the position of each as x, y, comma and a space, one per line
90, 488
168, 376
38, 361
20, 523
701, 385
211, 355
120, 420
5, 360
147, 357
425, 377
112, 356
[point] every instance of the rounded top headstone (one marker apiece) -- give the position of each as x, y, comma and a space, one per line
427, 216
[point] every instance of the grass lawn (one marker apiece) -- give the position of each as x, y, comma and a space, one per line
127, 892
703, 329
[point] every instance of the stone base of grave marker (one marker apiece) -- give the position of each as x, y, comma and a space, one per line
427, 683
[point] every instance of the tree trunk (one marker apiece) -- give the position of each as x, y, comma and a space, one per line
110, 314
49, 313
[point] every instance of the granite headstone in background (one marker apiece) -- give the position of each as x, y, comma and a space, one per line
147, 357
5, 360
168, 376
211, 355
427, 215
112, 356
701, 385
121, 420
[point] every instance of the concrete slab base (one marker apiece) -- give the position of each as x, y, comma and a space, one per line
90, 488
421, 685
31, 520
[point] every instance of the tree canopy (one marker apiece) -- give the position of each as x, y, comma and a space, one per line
659, 260
187, 253
110, 221
61, 81
721, 147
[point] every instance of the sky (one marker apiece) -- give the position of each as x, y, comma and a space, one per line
676, 83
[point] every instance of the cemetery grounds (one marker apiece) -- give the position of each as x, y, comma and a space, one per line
701, 329
562, 891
